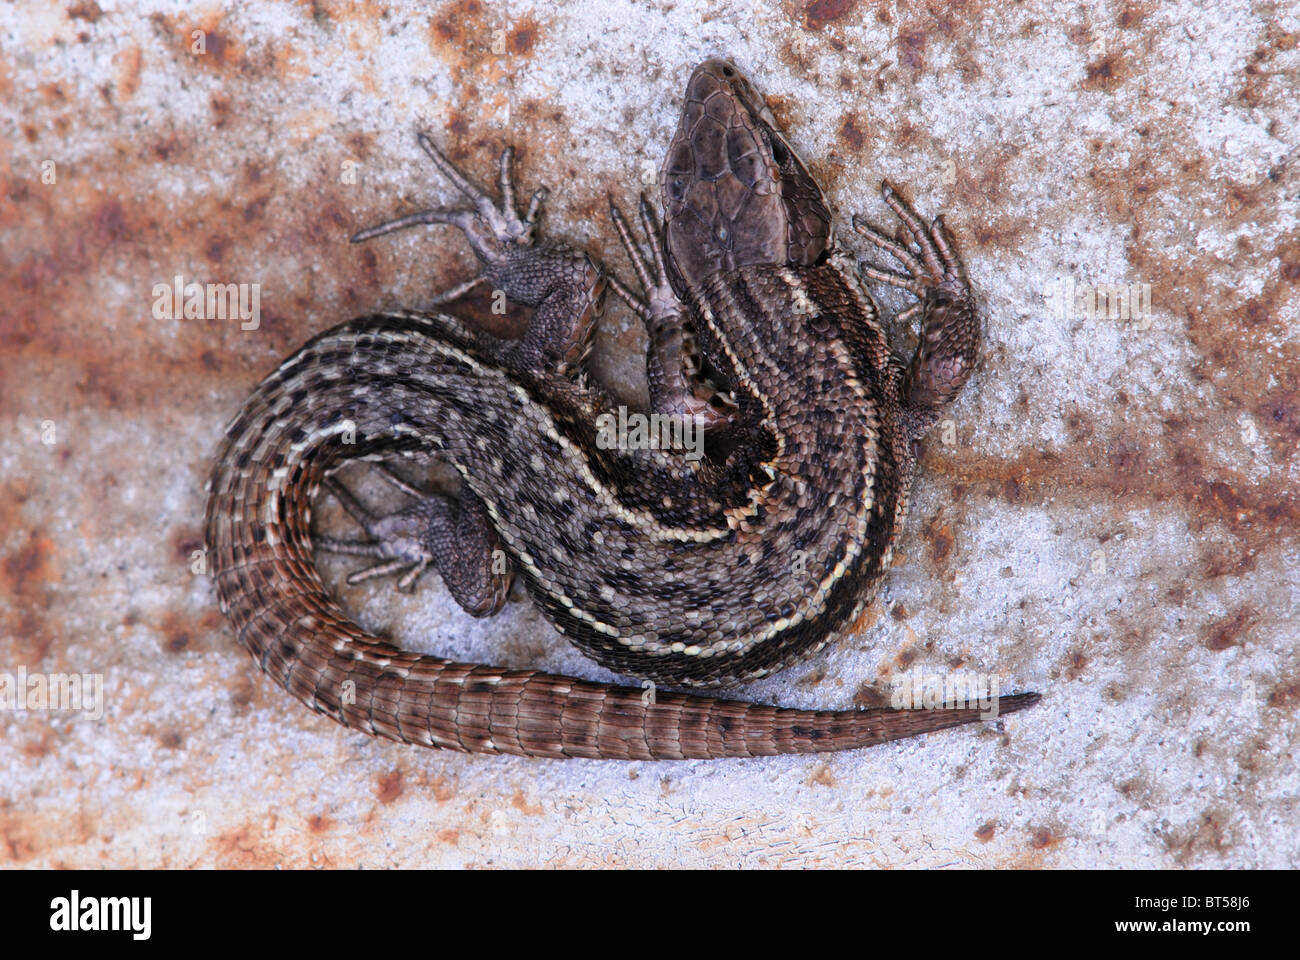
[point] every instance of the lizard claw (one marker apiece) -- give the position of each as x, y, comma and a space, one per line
929, 261
395, 540
658, 301
675, 371
949, 336
490, 227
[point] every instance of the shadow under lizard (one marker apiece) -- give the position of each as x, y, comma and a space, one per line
689, 573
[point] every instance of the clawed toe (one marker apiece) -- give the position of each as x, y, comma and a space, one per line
395, 539
658, 298
487, 225
924, 251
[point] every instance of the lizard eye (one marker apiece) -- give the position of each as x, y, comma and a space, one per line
779, 152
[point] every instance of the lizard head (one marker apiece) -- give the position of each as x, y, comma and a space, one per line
735, 192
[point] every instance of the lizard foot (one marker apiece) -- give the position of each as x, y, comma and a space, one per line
452, 535
491, 229
674, 370
950, 325
562, 284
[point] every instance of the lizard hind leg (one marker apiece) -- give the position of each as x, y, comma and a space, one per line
452, 534
946, 354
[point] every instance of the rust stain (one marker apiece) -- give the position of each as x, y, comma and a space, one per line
319, 823
27, 570
18, 835
388, 787
867, 619
87, 10
821, 775
1105, 74
871, 694
1209, 834
818, 14
443, 789
1042, 838
520, 803
243, 848
1222, 634
851, 134
1285, 695
26, 575
180, 634
939, 536
523, 36
128, 74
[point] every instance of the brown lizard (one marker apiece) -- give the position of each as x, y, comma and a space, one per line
687, 571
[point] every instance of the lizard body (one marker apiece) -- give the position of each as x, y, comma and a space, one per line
688, 572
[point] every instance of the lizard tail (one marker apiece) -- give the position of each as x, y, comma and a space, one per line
301, 421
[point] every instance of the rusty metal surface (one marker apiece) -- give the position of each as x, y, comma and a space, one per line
1110, 518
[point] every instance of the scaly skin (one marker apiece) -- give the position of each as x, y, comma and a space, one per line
689, 573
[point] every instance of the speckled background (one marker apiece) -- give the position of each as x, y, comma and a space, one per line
1113, 522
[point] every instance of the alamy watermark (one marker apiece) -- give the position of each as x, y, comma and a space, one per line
656, 431
1117, 301
83, 692
75, 913
955, 690
208, 301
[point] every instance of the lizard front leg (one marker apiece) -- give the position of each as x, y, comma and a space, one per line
945, 356
672, 361
563, 285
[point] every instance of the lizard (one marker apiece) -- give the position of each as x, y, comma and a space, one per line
687, 573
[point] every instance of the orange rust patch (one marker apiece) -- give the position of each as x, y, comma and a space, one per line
821, 776
819, 14
1227, 633
242, 848
443, 789
388, 787
1075, 663
520, 803
182, 634
523, 36
871, 694
941, 540
128, 74
851, 134
867, 619
319, 823
1209, 834
87, 10
1106, 74
17, 837
1041, 838
1285, 695
27, 570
